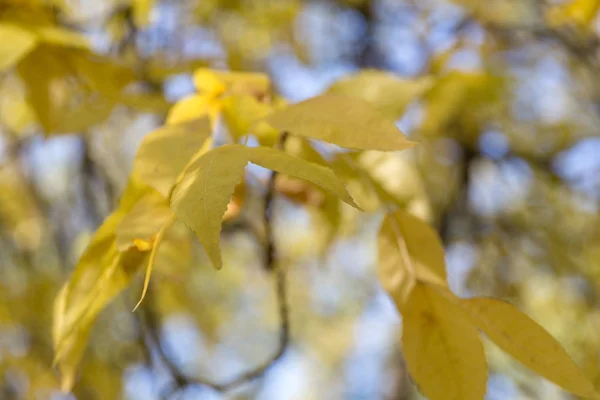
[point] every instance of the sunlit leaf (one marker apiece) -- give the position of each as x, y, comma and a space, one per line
579, 12
16, 43
388, 93
410, 251
240, 113
529, 343
194, 107
200, 199
164, 153
216, 82
60, 37
342, 120
101, 273
442, 348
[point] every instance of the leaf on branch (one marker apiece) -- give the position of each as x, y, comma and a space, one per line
194, 107
101, 273
165, 152
216, 82
529, 343
241, 112
16, 43
200, 199
410, 251
342, 120
388, 93
442, 348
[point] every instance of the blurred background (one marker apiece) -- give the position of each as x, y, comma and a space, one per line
503, 96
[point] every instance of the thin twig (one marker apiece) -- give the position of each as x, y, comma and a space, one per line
150, 324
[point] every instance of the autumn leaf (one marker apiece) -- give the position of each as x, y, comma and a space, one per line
100, 274
342, 120
529, 343
410, 251
194, 107
241, 112
16, 43
200, 199
164, 153
580, 12
442, 348
388, 93
217, 82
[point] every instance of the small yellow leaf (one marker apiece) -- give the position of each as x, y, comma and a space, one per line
201, 197
342, 120
16, 43
388, 93
208, 82
410, 251
164, 153
194, 107
241, 112
442, 348
525, 340
217, 82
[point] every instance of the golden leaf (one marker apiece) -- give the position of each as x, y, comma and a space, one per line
442, 348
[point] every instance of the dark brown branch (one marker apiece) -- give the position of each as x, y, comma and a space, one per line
150, 324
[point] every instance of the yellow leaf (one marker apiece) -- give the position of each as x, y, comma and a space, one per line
342, 120
101, 273
73, 345
297, 168
580, 12
194, 107
410, 251
442, 348
60, 37
74, 90
217, 82
200, 198
241, 112
101, 281
208, 81
529, 343
388, 93
142, 223
164, 153
16, 43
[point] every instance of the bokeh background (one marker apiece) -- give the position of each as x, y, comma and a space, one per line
505, 102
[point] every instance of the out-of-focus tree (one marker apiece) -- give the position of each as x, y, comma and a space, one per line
501, 96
